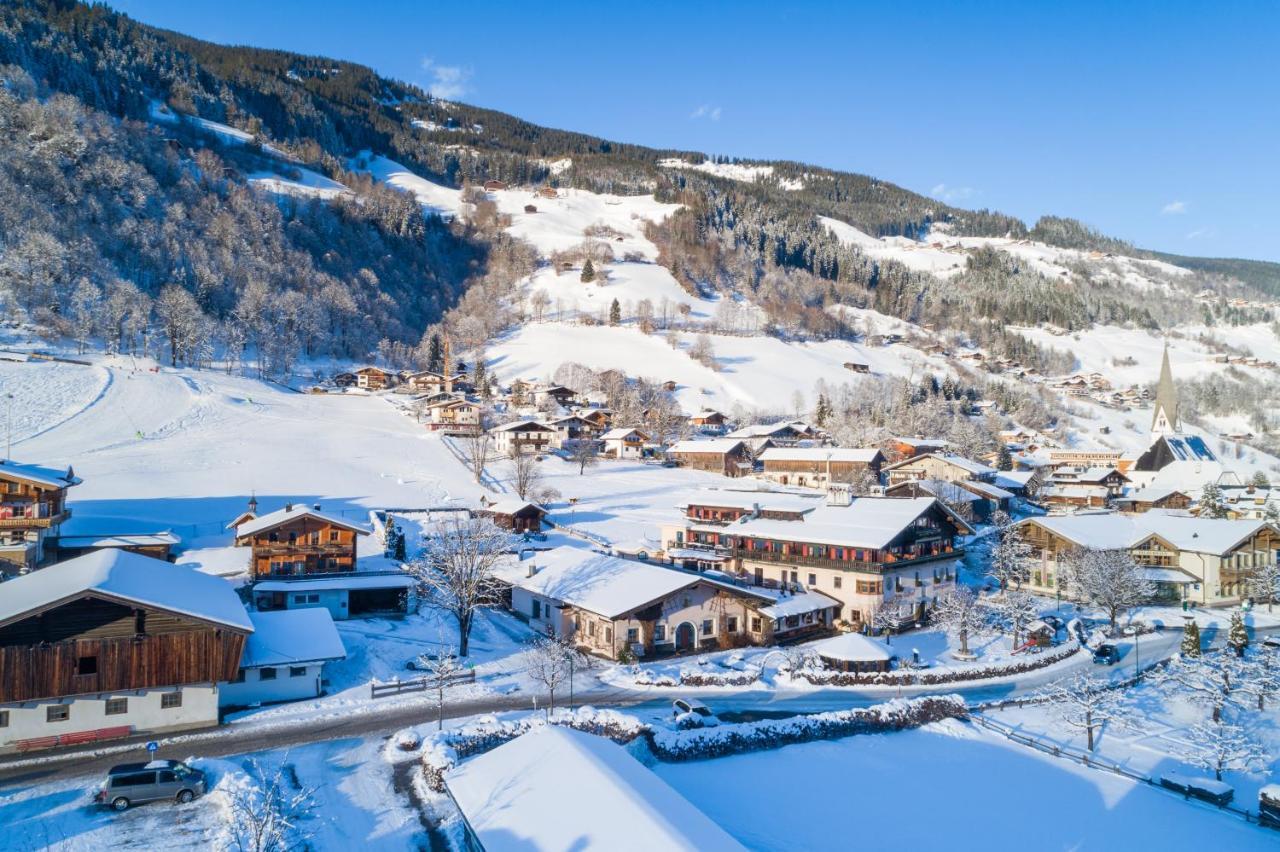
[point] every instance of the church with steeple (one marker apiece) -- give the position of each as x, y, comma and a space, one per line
1169, 444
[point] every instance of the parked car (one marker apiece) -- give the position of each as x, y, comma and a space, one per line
1106, 655
424, 662
696, 714
135, 783
1271, 642
1053, 621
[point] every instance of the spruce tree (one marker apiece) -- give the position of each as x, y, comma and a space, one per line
435, 354
1237, 635
588, 272
615, 312
1211, 505
480, 376
1190, 640
1004, 461
1260, 480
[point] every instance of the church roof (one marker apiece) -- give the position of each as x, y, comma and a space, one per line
1166, 398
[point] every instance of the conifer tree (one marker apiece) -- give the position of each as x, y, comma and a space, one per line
435, 354
1004, 461
1237, 635
1190, 640
480, 376
615, 312
588, 272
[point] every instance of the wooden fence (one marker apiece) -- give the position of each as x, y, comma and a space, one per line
417, 684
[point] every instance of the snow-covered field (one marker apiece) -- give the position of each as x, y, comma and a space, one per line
948, 785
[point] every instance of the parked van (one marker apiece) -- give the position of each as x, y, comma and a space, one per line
134, 783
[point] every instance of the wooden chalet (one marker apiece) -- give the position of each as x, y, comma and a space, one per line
298, 540
373, 378
519, 516
33, 506
622, 443
709, 422
454, 416
524, 436
494, 185
943, 467
816, 466
727, 456
114, 642
1146, 499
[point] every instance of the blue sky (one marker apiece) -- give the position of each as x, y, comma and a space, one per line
1155, 122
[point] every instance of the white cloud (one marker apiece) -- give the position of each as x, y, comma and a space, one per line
447, 81
706, 111
1174, 208
952, 194
1198, 233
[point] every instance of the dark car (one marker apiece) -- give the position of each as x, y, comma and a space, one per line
134, 783
1106, 655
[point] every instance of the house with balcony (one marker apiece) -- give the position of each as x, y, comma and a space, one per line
623, 443
864, 552
725, 456
815, 467
33, 507
298, 540
1207, 561
524, 436
944, 467
112, 644
454, 416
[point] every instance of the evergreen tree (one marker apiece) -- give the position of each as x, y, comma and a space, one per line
1190, 640
1260, 480
615, 311
1004, 460
1237, 635
480, 376
588, 272
822, 412
1211, 505
435, 354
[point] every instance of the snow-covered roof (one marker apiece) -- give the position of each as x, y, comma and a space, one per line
51, 477
127, 577
292, 636
512, 506
528, 425
605, 585
764, 430
1014, 478
120, 540
976, 468
863, 455
853, 648
870, 522
292, 513
555, 788
800, 604
720, 446
986, 489
349, 582
1117, 532
1166, 575
1189, 448
620, 432
767, 500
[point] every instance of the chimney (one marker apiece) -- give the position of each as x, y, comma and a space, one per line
839, 494
288, 507
531, 570
316, 507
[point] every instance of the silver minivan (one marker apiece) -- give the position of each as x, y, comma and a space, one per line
134, 783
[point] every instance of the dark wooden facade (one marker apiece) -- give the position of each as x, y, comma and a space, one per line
96, 644
735, 462
301, 545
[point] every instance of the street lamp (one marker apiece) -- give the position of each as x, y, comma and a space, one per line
8, 450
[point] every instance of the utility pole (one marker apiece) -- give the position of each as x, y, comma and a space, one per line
8, 450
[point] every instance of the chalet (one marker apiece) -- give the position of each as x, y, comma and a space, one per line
726, 506
1067, 495
600, 418
709, 422
575, 428
787, 434
33, 507
514, 797
373, 378
1147, 499
493, 185
992, 498
548, 192
905, 448
454, 417
609, 605
559, 394
968, 504
726, 456
284, 658
865, 552
298, 540
1202, 560
942, 466
1108, 478
857, 366
519, 516
431, 382
622, 443
815, 467
524, 436
114, 644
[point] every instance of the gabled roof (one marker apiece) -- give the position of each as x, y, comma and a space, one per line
1121, 532
742, 499
520, 425
764, 430
853, 648
719, 446
800, 604
863, 455
50, 477
293, 513
372, 369
869, 522
511, 507
128, 578
620, 432
556, 789
974, 467
292, 636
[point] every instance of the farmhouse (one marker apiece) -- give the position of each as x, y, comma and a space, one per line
373, 378
784, 434
575, 428
941, 466
622, 443
114, 643
454, 417
298, 540
33, 506
709, 422
816, 466
524, 436
1207, 561
1146, 499
727, 456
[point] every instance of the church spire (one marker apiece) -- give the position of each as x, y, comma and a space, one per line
1164, 421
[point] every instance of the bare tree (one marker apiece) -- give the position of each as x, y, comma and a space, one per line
584, 453
441, 672
1213, 680
960, 613
265, 817
1085, 703
1010, 554
1109, 579
1222, 746
455, 570
1261, 676
525, 473
1014, 611
1264, 585
539, 302
550, 665
478, 454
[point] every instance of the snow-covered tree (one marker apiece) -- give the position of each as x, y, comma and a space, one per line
266, 815
1086, 703
1014, 611
1190, 646
550, 665
960, 613
1109, 579
1213, 680
1261, 678
1211, 503
1222, 746
478, 454
1264, 583
584, 453
455, 570
441, 672
1237, 634
525, 473
1010, 555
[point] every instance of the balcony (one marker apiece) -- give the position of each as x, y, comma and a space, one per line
26, 516
890, 562
334, 549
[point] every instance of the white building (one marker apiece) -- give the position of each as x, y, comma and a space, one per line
524, 436
284, 658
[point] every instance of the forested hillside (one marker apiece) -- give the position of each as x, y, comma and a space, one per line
113, 221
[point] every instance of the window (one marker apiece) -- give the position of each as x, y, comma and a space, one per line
706, 627
4, 718
633, 634
659, 632
267, 674
168, 776
57, 713
813, 579
608, 634
333, 535
837, 581
170, 700
116, 706
755, 624
315, 537
297, 671
87, 666
239, 676
732, 624
537, 609
299, 599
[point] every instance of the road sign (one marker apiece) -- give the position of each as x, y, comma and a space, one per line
153, 746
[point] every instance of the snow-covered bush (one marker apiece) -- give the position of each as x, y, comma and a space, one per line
936, 677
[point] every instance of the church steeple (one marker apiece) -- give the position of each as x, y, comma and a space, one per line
1164, 421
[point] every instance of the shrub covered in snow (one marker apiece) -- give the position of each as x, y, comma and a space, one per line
698, 677
935, 677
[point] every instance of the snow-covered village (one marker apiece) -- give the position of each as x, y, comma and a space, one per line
382, 471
